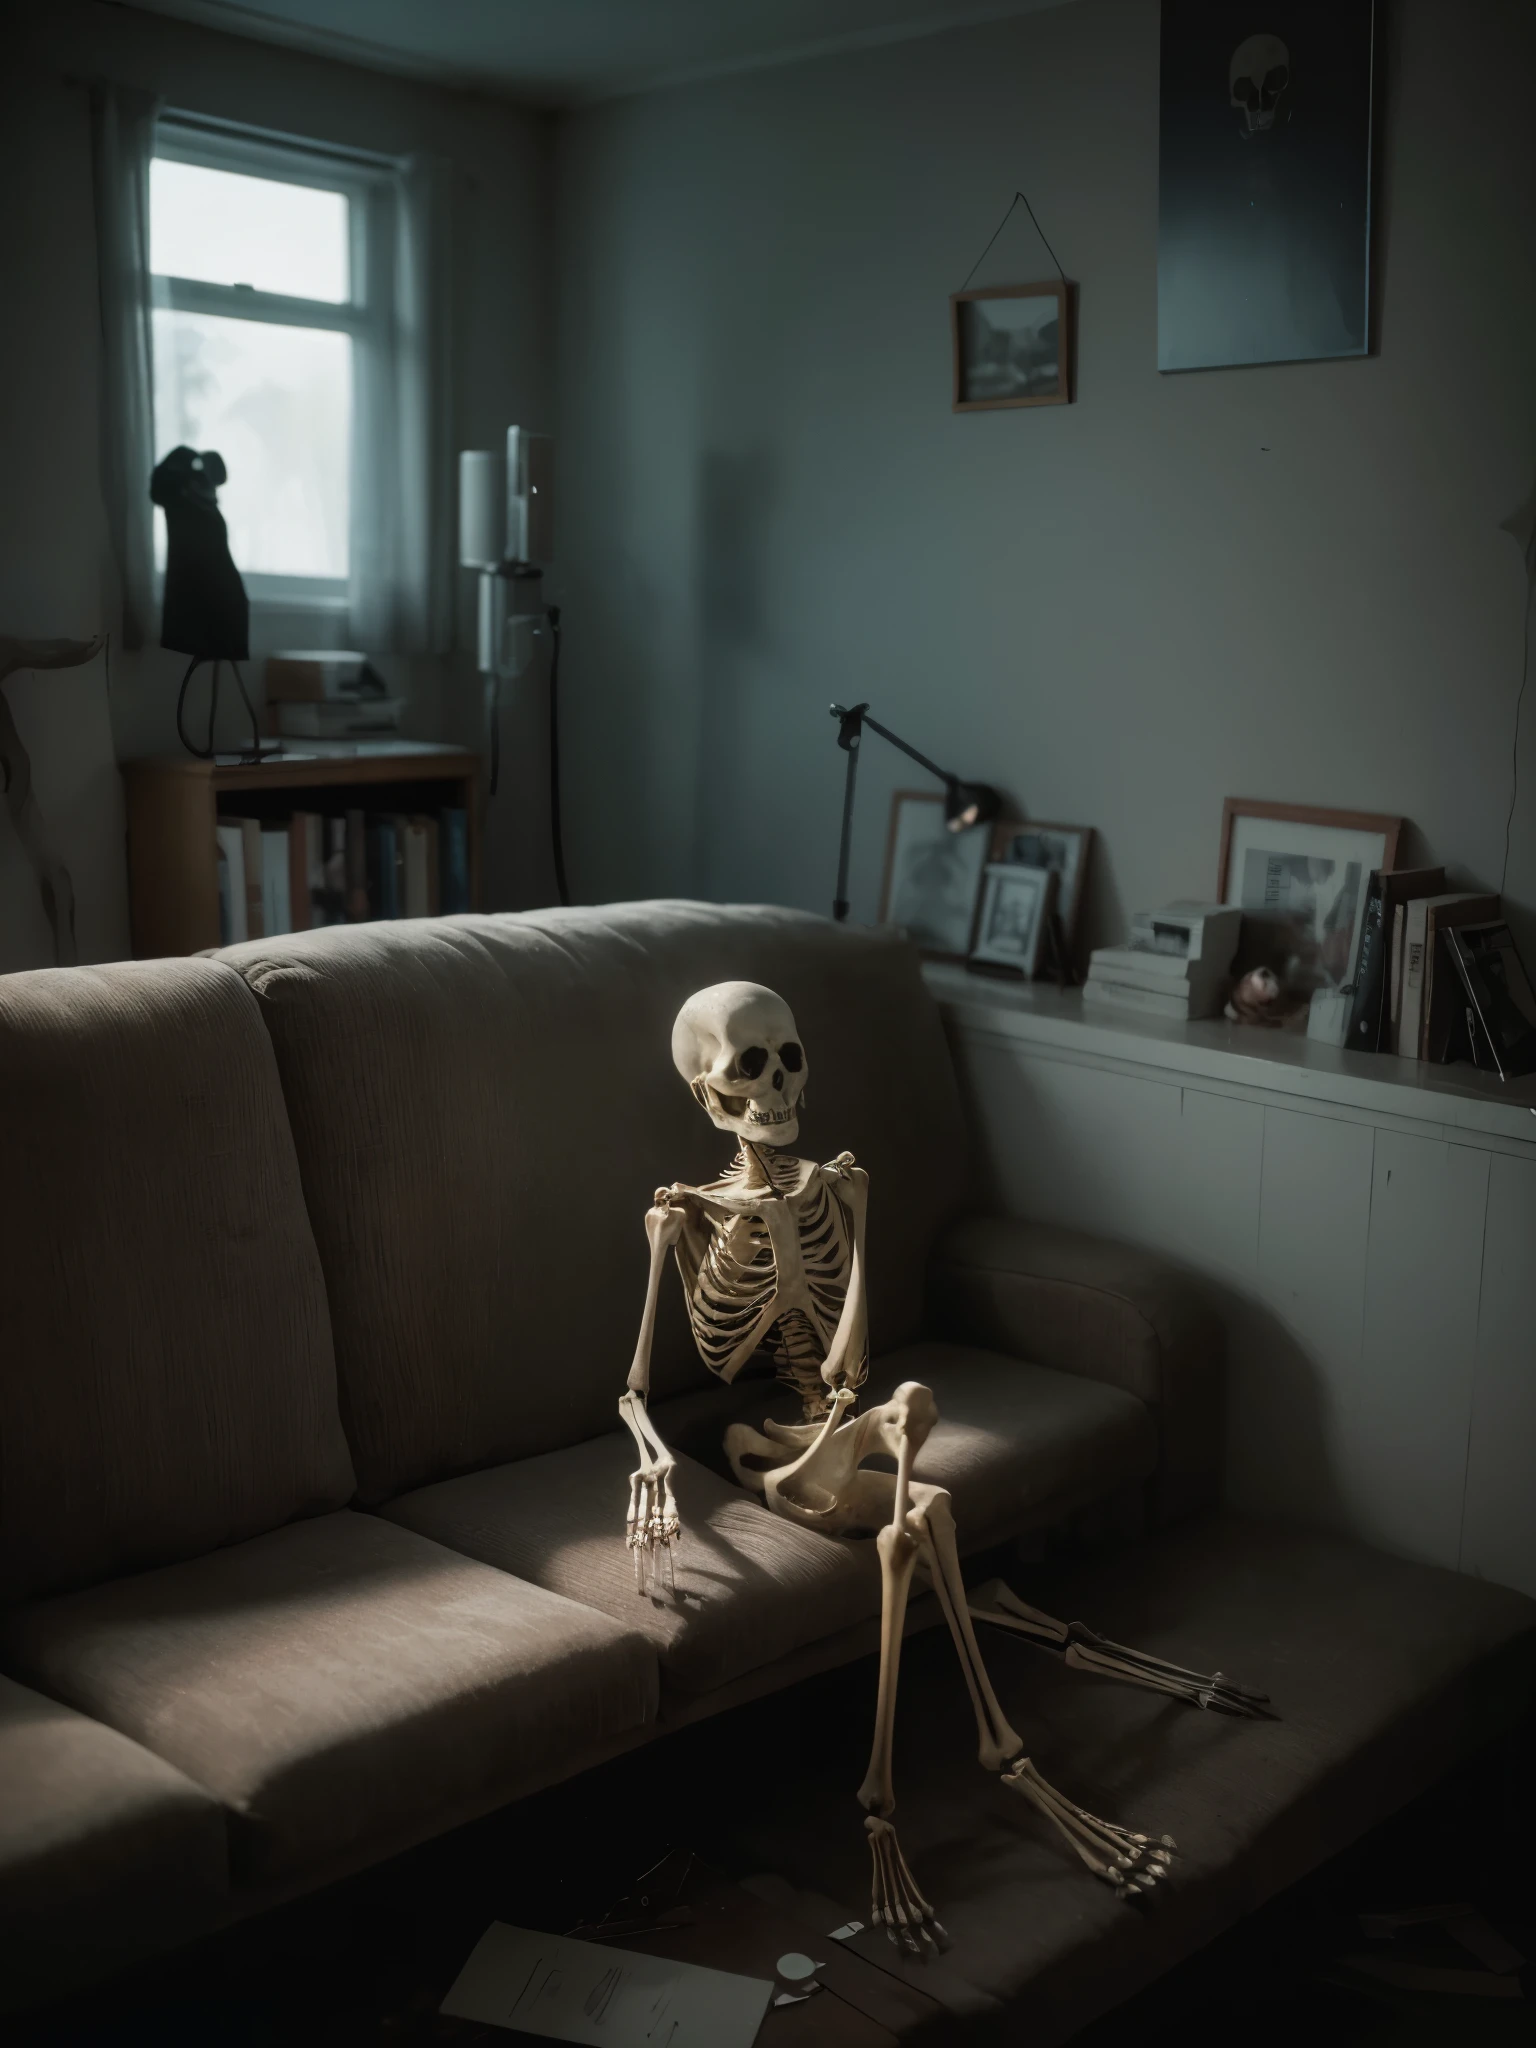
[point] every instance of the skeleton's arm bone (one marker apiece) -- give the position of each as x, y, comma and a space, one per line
664, 1222
849, 1187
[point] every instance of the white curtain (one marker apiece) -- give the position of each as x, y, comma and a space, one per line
401, 596
122, 143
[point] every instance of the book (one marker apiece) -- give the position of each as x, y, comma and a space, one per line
1164, 970
310, 675
358, 908
251, 865
1399, 887
328, 884
1498, 993
434, 869
1363, 1032
1443, 999
339, 718
300, 856
1198, 931
454, 858
1374, 996
1128, 969
276, 903
416, 836
1395, 976
232, 920
1118, 995
383, 866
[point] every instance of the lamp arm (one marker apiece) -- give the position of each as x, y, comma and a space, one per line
911, 753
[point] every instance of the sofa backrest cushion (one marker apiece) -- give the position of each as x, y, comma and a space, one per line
483, 1108
166, 1376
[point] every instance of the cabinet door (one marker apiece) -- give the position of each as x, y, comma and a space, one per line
1499, 1528
1402, 1448
1295, 1348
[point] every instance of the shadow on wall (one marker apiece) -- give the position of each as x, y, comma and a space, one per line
736, 506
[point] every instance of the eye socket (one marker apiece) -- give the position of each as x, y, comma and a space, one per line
1275, 82
1244, 91
752, 1062
792, 1056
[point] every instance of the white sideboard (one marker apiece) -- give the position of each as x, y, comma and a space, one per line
1369, 1222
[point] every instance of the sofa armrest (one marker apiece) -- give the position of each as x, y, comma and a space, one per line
1107, 1311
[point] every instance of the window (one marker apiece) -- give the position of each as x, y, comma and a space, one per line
268, 262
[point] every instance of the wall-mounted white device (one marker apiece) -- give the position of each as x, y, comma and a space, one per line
506, 531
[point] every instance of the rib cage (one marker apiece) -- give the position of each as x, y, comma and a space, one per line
727, 1262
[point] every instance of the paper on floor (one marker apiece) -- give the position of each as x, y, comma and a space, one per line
608, 1997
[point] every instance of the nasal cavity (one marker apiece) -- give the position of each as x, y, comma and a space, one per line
778, 1077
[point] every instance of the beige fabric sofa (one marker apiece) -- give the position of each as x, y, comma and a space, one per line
320, 1266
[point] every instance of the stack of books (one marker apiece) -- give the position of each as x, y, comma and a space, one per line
1407, 995
295, 873
1176, 963
328, 694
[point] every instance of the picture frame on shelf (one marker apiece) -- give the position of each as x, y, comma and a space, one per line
932, 875
1016, 905
1500, 1000
1066, 850
1012, 346
1301, 876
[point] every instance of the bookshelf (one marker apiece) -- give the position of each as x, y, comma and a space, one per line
175, 804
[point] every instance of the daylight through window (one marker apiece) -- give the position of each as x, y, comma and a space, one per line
259, 305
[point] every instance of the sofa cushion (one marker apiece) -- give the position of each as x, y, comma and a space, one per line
1016, 1444
483, 1107
104, 1849
166, 1377
342, 1685
1019, 1445
749, 1587
1384, 1675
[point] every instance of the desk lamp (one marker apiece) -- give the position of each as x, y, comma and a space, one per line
965, 803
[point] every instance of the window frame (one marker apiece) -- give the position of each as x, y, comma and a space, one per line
368, 183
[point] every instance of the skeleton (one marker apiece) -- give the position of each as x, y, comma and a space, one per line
1257, 78
772, 1257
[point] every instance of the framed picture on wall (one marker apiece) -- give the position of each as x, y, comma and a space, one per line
1264, 181
1300, 876
1064, 849
1015, 904
1012, 345
932, 875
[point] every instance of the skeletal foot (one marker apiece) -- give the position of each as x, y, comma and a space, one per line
1134, 1864
1084, 1649
897, 1905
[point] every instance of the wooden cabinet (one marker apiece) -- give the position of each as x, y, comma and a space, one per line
1367, 1223
174, 805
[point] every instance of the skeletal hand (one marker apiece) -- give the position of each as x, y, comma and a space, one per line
652, 1526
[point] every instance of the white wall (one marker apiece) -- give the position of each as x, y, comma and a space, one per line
1285, 582
55, 575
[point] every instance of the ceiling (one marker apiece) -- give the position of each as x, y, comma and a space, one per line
565, 52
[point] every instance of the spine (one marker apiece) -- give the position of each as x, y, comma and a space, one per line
1364, 1033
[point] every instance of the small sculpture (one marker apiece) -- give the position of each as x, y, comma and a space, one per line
772, 1257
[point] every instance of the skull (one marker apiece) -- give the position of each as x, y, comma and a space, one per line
1258, 76
737, 1048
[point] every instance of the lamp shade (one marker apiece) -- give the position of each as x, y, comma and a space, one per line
482, 508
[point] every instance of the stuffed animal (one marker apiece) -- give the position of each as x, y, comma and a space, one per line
1258, 999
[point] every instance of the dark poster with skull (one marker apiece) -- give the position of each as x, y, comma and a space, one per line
1264, 200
